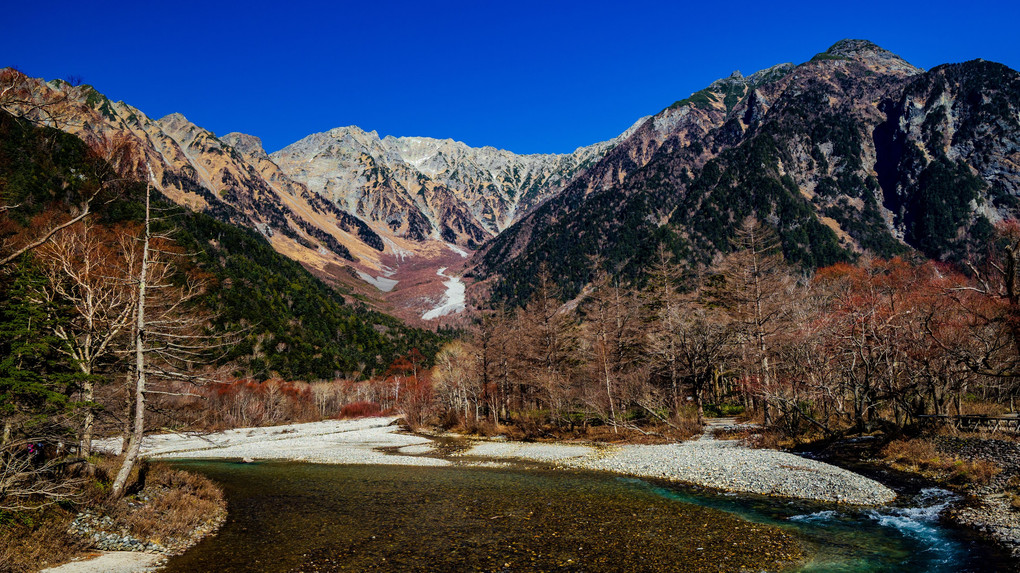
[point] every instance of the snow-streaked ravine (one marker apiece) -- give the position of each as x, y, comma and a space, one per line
382, 283
463, 254
453, 299
398, 251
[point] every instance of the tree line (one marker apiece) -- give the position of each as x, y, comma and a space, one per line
847, 348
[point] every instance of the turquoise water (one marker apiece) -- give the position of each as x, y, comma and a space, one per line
907, 536
306, 517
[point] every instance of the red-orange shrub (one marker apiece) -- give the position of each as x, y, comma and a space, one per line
360, 410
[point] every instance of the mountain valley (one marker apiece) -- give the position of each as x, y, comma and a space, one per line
854, 152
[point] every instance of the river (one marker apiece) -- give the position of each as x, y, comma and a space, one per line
309, 517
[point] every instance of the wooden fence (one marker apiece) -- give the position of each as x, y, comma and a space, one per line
973, 423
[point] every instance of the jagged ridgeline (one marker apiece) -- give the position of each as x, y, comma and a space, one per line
296, 326
853, 152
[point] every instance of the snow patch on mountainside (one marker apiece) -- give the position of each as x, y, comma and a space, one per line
453, 300
382, 283
458, 250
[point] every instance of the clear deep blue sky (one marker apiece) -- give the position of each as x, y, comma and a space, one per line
528, 76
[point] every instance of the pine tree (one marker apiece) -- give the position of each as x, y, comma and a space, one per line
36, 380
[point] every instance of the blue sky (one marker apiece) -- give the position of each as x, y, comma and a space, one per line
528, 76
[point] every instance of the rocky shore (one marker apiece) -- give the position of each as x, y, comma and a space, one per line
119, 552
993, 512
171, 511
105, 534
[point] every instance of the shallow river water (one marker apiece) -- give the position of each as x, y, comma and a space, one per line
306, 517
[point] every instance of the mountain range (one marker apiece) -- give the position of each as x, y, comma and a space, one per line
854, 152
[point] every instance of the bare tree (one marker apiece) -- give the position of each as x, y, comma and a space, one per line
110, 156
703, 338
992, 303
52, 108
19, 99
497, 353
456, 380
667, 303
756, 283
31, 480
546, 341
84, 209
614, 339
169, 337
86, 271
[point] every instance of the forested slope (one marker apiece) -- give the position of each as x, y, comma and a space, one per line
291, 324
854, 152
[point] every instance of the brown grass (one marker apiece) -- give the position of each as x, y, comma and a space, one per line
171, 506
1012, 491
31, 541
921, 456
360, 410
177, 503
982, 408
528, 429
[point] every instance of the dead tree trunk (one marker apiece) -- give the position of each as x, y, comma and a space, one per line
138, 431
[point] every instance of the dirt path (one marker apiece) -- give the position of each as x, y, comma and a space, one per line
112, 562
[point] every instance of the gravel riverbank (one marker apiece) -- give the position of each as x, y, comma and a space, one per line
113, 562
720, 464
362, 441
993, 513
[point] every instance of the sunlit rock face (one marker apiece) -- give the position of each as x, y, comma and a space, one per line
423, 188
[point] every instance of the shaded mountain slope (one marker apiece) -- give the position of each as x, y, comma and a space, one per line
853, 152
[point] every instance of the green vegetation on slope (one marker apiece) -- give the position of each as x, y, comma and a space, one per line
300, 327
294, 325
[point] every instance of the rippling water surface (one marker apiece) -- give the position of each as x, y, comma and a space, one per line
307, 517
907, 536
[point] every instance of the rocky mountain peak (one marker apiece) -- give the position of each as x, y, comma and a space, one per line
248, 145
769, 74
871, 55
423, 188
850, 47
855, 151
174, 121
354, 132
734, 79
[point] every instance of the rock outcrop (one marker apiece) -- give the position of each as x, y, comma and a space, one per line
423, 188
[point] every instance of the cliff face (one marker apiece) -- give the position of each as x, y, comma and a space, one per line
949, 159
855, 151
423, 188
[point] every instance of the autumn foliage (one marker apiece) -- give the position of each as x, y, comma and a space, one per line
876, 345
405, 389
